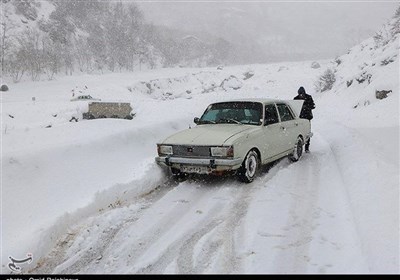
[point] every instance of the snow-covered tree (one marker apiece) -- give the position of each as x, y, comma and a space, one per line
396, 23
325, 81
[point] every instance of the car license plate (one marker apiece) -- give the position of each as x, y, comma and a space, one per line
195, 169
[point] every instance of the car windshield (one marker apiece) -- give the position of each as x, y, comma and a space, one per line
233, 112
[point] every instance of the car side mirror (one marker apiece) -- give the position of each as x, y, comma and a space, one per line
196, 120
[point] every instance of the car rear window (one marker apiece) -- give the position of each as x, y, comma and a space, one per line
284, 112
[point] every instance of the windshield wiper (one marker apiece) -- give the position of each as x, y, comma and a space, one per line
230, 121
207, 121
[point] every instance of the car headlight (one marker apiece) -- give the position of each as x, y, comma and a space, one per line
221, 151
164, 150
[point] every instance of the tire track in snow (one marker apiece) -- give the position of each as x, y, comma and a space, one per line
151, 227
90, 259
321, 233
229, 235
361, 264
303, 211
180, 250
219, 226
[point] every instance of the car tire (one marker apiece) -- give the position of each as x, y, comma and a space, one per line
250, 166
297, 150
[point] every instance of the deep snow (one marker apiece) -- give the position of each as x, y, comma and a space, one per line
87, 197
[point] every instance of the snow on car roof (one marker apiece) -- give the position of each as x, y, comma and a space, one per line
260, 100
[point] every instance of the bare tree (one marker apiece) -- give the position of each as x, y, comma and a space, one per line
6, 28
83, 56
52, 57
16, 65
31, 48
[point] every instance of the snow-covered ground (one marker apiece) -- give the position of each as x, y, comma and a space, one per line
87, 196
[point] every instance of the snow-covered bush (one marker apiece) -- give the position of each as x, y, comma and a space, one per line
231, 83
315, 65
325, 81
364, 77
3, 88
382, 37
247, 75
388, 60
382, 94
338, 60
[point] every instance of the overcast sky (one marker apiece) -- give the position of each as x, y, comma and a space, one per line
320, 29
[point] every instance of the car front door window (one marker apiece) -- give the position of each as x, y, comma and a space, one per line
271, 116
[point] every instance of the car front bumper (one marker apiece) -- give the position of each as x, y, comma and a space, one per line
200, 165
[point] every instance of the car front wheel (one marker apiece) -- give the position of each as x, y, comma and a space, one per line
247, 172
297, 150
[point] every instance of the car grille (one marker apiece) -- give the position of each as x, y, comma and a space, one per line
191, 151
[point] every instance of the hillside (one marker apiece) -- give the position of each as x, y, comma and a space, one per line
366, 70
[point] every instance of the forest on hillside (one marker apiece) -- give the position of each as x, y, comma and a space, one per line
46, 38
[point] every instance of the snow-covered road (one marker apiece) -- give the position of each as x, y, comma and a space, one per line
295, 218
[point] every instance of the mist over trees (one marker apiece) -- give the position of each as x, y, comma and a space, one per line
45, 38
94, 37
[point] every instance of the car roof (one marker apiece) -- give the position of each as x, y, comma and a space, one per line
258, 100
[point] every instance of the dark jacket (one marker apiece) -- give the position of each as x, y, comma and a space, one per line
308, 104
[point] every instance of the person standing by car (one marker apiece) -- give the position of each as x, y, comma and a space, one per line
306, 110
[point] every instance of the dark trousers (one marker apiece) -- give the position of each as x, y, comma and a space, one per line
307, 147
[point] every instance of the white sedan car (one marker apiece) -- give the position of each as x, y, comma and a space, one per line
237, 136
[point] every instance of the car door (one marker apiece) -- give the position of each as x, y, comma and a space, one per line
272, 134
288, 125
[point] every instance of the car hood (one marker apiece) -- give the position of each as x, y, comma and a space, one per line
207, 134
